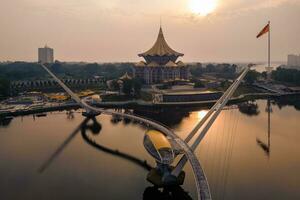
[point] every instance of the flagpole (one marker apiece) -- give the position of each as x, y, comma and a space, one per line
269, 45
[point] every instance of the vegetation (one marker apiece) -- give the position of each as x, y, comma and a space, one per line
146, 96
22, 71
32, 71
137, 86
245, 89
164, 86
114, 98
225, 70
251, 77
127, 86
4, 87
197, 70
225, 85
286, 75
199, 84
132, 86
115, 85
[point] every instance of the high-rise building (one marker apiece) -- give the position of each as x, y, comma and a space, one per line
293, 61
161, 63
45, 55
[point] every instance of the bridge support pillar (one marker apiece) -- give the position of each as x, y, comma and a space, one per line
161, 176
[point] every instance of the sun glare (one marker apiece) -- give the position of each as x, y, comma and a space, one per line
203, 7
202, 113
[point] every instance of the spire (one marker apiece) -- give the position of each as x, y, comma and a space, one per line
160, 47
160, 22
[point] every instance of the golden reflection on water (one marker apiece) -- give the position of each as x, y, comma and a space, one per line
202, 113
229, 154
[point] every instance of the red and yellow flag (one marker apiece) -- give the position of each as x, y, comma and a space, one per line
264, 30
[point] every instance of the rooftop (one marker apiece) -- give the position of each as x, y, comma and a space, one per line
161, 48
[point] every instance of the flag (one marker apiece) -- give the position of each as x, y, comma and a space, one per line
264, 30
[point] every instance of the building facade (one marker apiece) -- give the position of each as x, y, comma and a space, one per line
45, 55
160, 63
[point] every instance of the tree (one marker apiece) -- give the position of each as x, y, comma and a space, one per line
4, 87
198, 84
264, 75
211, 68
127, 86
57, 68
197, 70
137, 85
115, 85
251, 76
225, 84
287, 75
32, 71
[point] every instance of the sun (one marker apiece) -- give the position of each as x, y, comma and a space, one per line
202, 7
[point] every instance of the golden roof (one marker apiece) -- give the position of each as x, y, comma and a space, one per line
153, 64
161, 48
158, 139
180, 63
171, 64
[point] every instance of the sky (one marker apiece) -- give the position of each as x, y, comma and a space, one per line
117, 30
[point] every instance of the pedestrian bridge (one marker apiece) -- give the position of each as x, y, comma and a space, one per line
202, 186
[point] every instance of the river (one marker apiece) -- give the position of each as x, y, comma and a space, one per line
242, 158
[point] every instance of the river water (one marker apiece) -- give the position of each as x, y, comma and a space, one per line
242, 157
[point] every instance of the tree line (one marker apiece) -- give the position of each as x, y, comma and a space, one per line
32, 71
224, 70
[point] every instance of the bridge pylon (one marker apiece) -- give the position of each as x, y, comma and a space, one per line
162, 177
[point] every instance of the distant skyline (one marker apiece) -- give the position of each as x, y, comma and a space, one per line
117, 30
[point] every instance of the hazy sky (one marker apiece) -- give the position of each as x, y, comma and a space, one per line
117, 30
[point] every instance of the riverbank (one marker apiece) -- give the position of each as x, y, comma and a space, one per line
139, 104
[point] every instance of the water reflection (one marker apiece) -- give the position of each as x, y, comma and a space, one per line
291, 100
153, 192
236, 155
202, 113
266, 147
166, 193
249, 108
94, 128
70, 114
173, 193
169, 116
5, 121
62, 146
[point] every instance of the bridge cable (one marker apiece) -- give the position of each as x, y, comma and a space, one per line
227, 142
231, 153
220, 151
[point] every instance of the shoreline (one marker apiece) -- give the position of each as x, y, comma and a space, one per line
138, 104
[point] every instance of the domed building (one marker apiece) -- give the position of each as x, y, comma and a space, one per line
160, 63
